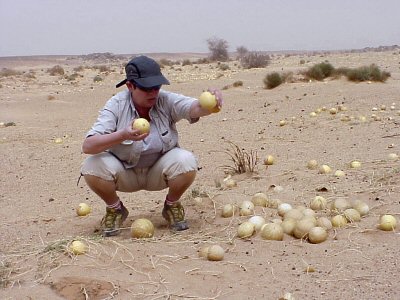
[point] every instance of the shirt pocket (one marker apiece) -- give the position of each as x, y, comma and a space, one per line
128, 151
169, 139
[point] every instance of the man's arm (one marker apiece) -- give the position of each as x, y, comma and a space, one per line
100, 142
196, 111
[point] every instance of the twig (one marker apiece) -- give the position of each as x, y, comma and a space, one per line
335, 254
83, 290
346, 279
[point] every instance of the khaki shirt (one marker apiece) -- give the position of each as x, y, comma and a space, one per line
119, 112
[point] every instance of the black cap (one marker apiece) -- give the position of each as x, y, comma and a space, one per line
145, 71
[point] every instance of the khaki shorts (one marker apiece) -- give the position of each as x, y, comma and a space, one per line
173, 163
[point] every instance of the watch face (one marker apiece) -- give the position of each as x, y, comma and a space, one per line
127, 142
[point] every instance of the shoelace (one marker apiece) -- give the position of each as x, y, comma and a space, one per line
177, 213
110, 217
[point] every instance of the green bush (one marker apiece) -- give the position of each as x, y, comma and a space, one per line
326, 68
367, 73
342, 71
320, 71
97, 78
273, 80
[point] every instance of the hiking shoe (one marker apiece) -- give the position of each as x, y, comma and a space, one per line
175, 216
113, 220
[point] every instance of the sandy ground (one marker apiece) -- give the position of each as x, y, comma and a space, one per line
40, 159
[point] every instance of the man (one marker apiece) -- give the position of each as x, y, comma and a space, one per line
122, 159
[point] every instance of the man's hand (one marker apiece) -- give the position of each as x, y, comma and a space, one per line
133, 134
218, 96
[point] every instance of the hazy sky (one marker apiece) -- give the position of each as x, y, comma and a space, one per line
36, 27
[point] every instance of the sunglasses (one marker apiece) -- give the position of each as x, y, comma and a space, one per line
148, 89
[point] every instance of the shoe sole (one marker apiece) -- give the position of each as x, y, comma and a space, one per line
179, 226
107, 233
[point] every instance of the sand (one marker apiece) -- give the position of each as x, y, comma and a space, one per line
40, 157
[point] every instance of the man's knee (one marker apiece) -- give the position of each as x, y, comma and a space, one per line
102, 165
180, 161
187, 158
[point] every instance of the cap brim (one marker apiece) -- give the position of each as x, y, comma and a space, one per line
121, 83
152, 81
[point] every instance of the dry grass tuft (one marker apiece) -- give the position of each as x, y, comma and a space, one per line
5, 72
56, 70
243, 161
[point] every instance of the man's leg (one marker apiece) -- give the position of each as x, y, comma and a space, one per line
175, 170
179, 185
106, 166
105, 189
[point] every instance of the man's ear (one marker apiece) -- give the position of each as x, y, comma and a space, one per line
130, 85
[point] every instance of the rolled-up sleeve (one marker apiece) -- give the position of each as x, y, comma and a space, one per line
179, 106
106, 121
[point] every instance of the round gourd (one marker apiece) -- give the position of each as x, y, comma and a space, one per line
215, 253
317, 235
272, 231
142, 228
260, 199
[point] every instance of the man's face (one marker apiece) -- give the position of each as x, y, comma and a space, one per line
143, 97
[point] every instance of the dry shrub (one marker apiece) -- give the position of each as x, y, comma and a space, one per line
218, 48
56, 70
6, 72
255, 60
30, 75
241, 52
51, 97
243, 161
72, 77
79, 69
202, 61
5, 273
165, 62
288, 77
97, 78
237, 83
186, 62
223, 67
102, 68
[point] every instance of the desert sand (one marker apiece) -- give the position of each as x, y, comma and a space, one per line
44, 120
